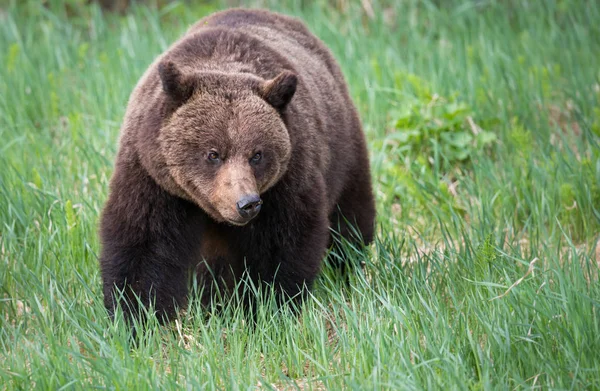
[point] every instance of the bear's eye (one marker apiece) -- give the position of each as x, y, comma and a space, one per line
256, 158
213, 156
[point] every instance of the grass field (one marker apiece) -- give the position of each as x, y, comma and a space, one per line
483, 121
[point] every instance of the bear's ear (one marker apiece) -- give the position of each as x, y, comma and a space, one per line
176, 85
279, 91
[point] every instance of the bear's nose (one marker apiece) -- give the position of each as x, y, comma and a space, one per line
249, 206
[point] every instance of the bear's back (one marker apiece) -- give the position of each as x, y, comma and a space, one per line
284, 33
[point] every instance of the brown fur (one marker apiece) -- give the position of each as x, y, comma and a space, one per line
238, 84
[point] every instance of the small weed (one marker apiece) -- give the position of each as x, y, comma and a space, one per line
433, 127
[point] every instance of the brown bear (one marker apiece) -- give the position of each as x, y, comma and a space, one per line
240, 150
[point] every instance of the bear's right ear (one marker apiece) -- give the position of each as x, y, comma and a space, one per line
279, 91
176, 85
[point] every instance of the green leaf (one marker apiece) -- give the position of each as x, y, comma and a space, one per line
485, 138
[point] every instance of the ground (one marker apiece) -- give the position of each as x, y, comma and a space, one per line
482, 121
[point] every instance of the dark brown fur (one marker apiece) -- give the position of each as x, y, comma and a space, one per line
239, 83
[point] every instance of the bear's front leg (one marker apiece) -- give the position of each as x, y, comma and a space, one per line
290, 243
149, 239
136, 276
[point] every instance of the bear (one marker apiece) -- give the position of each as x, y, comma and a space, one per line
240, 154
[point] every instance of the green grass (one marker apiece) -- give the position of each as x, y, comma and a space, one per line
484, 273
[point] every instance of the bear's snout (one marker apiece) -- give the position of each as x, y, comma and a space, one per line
248, 206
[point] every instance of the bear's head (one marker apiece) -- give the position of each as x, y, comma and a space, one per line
225, 142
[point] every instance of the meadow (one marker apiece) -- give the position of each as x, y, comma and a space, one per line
483, 122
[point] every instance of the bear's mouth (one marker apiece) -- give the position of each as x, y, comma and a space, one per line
240, 221
228, 217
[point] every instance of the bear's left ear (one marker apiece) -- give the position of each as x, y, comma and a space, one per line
278, 92
176, 85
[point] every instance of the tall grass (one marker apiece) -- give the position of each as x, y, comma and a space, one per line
484, 272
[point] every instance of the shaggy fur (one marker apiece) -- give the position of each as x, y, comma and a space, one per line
248, 103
